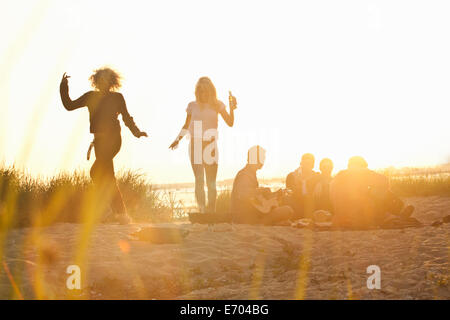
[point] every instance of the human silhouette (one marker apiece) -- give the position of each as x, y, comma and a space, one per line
201, 125
104, 105
322, 199
246, 191
362, 198
302, 183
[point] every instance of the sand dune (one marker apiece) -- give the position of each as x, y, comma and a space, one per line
236, 262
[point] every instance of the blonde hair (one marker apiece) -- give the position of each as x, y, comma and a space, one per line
205, 93
107, 76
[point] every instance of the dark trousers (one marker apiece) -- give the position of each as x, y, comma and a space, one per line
203, 158
367, 209
106, 147
302, 205
384, 203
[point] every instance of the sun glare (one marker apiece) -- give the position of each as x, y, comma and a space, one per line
290, 99
287, 84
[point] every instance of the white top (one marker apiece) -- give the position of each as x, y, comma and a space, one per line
203, 119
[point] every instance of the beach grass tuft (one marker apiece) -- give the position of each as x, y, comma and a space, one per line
27, 201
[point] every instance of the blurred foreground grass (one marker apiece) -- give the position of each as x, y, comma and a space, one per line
26, 201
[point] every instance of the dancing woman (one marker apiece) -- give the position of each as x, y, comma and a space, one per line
104, 105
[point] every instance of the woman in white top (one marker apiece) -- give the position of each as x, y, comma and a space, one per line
201, 125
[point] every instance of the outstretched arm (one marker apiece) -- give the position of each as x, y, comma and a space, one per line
67, 102
129, 122
182, 133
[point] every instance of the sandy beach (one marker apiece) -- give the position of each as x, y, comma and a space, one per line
235, 262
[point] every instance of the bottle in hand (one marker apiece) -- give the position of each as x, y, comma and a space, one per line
232, 100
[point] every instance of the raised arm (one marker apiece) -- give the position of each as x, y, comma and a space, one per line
229, 117
66, 101
128, 120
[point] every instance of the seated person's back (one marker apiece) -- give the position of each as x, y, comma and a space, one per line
358, 194
246, 188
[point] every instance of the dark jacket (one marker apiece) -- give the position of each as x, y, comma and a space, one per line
294, 183
104, 109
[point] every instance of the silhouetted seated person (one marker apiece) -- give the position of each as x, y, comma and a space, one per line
302, 183
361, 198
322, 199
247, 197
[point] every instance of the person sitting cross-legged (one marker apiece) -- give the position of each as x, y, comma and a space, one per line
247, 199
361, 198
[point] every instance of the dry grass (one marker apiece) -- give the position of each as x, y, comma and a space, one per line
419, 181
421, 185
223, 202
26, 201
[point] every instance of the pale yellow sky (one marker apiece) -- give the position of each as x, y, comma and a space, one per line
335, 78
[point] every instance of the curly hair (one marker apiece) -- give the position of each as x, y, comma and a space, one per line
107, 76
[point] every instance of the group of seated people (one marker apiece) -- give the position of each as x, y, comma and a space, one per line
355, 198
